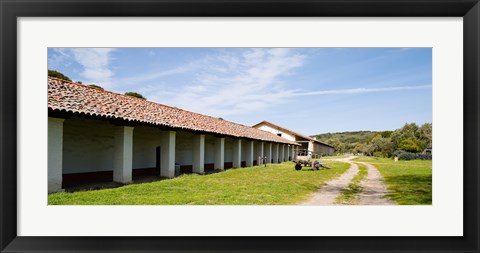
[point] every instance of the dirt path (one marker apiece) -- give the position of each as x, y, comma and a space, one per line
327, 194
373, 187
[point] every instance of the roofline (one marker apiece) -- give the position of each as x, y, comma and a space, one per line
71, 112
292, 132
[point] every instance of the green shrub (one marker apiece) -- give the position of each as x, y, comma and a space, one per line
407, 156
403, 155
134, 94
54, 73
96, 86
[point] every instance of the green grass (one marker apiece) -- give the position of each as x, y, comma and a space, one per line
350, 195
409, 181
333, 157
276, 184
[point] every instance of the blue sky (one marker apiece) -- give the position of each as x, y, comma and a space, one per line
309, 90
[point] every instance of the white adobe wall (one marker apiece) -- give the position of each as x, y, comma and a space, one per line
319, 148
244, 151
275, 131
258, 151
184, 148
209, 149
145, 142
228, 150
87, 145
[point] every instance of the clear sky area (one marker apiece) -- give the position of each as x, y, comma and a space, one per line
308, 90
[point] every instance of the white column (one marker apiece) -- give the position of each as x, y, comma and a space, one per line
310, 148
269, 152
288, 153
167, 143
275, 153
249, 154
282, 153
220, 153
237, 153
199, 154
259, 153
294, 154
122, 154
55, 154
285, 150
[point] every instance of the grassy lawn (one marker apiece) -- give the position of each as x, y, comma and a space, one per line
333, 157
409, 181
350, 195
276, 184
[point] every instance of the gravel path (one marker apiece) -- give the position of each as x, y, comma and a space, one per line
327, 194
374, 189
373, 192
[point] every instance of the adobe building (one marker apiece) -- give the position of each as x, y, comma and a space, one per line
308, 146
98, 135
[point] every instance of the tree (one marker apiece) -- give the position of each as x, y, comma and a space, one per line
359, 148
134, 94
369, 149
410, 145
335, 142
54, 73
425, 135
380, 144
386, 134
408, 131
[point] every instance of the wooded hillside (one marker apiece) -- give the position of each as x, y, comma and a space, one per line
411, 138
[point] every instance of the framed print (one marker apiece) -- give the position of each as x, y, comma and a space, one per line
444, 33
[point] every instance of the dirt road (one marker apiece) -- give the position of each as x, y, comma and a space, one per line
373, 188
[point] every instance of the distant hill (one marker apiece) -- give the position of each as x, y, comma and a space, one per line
410, 138
350, 141
348, 137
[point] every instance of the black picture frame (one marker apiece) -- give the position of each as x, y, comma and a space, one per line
10, 10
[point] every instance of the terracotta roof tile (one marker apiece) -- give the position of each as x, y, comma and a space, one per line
77, 98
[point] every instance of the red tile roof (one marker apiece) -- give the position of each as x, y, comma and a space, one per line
85, 100
292, 132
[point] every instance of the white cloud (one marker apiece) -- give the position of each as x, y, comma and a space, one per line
95, 62
360, 90
234, 82
158, 74
237, 83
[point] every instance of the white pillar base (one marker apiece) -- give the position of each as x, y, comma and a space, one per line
249, 154
220, 154
167, 143
199, 154
288, 153
282, 153
123, 155
237, 153
259, 153
275, 153
269, 152
55, 154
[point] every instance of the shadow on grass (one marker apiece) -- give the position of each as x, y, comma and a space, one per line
309, 169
